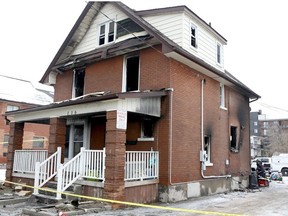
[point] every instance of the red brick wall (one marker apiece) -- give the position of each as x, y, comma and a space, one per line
63, 86
157, 72
30, 130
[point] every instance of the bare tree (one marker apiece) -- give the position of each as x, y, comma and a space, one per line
277, 139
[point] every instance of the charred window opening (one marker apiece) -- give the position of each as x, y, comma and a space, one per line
127, 26
207, 147
233, 138
79, 76
132, 73
147, 128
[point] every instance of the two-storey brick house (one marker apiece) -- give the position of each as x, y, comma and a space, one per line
150, 87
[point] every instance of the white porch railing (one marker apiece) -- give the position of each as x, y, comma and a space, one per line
46, 170
25, 160
88, 164
141, 165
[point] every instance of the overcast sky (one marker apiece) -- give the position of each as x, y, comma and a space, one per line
33, 31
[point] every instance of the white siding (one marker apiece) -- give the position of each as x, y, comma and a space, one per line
90, 40
206, 43
176, 27
170, 25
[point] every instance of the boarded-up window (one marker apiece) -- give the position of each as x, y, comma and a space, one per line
127, 26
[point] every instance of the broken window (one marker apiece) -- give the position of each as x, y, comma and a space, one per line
127, 26
193, 36
106, 33
132, 74
233, 138
147, 128
78, 87
207, 148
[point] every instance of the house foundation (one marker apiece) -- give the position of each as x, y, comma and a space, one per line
184, 191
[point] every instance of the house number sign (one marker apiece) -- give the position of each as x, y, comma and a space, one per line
121, 122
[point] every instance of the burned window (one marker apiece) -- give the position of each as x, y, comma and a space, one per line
233, 138
147, 128
127, 26
79, 76
207, 147
132, 73
193, 36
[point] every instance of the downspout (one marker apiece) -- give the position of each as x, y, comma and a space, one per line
202, 136
170, 133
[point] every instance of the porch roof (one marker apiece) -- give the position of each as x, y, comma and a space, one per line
146, 102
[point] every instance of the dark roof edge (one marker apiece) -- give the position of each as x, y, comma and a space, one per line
66, 41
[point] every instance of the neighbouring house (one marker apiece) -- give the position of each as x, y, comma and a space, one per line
18, 94
143, 110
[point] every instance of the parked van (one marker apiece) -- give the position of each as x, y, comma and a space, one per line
279, 163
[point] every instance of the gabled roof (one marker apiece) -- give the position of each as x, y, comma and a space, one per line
23, 91
168, 46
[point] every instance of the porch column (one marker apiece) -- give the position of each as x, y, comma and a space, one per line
57, 136
114, 186
16, 132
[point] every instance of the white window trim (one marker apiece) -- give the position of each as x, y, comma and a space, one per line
86, 134
124, 75
106, 32
192, 25
208, 159
221, 54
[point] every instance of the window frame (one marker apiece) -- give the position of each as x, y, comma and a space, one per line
76, 76
207, 142
234, 138
126, 73
222, 96
6, 140
107, 32
193, 37
147, 123
36, 139
218, 53
12, 107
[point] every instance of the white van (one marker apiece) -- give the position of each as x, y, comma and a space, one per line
278, 163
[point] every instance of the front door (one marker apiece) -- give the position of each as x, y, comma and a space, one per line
76, 137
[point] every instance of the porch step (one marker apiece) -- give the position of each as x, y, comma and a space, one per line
47, 194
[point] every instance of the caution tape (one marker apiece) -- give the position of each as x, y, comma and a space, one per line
129, 203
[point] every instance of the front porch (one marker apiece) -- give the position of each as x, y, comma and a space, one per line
86, 168
121, 123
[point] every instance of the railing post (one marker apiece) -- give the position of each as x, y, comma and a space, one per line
36, 180
59, 182
82, 164
104, 167
58, 157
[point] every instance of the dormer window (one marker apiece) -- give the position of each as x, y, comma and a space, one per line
106, 33
218, 53
193, 41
